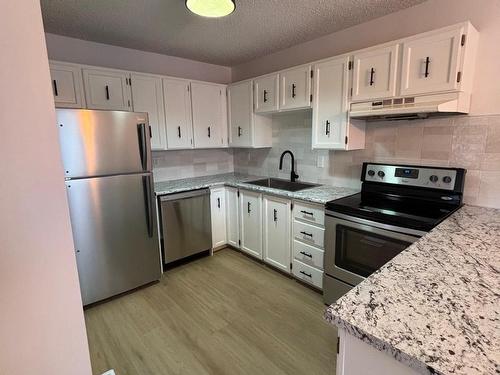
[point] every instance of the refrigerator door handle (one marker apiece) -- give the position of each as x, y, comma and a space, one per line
146, 183
143, 147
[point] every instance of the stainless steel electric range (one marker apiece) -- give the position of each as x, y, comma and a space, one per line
397, 205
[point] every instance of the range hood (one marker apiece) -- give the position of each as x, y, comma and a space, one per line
407, 108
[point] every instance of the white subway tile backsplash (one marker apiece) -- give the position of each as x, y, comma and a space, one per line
471, 142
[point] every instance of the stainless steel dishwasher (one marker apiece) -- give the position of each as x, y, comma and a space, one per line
186, 224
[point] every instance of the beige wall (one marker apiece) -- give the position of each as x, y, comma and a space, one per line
91, 53
42, 327
432, 14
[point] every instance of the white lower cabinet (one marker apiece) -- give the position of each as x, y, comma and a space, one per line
308, 243
308, 274
232, 217
310, 255
250, 211
277, 228
218, 214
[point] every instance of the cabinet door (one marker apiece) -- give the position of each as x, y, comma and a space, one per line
330, 103
251, 223
67, 85
207, 115
295, 88
277, 237
266, 94
232, 217
147, 96
431, 63
375, 73
107, 89
177, 101
240, 113
218, 213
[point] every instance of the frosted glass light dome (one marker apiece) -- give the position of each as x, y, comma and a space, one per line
211, 8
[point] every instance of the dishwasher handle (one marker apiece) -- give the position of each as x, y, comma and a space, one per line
184, 195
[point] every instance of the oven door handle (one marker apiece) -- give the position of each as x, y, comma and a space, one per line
392, 231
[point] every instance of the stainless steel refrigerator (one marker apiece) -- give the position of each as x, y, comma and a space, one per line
107, 162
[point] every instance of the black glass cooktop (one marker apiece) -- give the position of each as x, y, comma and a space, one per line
403, 212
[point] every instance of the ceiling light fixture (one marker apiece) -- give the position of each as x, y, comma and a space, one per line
211, 8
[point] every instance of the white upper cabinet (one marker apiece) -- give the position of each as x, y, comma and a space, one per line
107, 89
208, 112
431, 63
177, 101
266, 94
240, 113
277, 228
295, 88
251, 223
331, 126
147, 96
67, 85
331, 80
218, 215
375, 72
246, 128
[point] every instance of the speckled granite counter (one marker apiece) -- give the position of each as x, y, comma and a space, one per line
436, 306
319, 194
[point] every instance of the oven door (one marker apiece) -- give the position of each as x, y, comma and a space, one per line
355, 248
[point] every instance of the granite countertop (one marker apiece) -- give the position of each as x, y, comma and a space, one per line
435, 306
319, 194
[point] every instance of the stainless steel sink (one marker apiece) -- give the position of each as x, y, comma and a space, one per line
278, 183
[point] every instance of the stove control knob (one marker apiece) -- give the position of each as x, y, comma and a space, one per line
371, 173
381, 174
446, 179
434, 178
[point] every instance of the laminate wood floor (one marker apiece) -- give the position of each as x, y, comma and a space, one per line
225, 314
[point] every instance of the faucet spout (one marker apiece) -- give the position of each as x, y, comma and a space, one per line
293, 175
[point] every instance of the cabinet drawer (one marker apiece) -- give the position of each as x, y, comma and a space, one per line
309, 213
308, 274
309, 234
308, 254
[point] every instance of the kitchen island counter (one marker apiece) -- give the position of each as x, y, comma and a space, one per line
435, 307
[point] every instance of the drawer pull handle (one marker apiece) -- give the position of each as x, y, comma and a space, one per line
248, 207
218, 202
275, 215
306, 254
307, 213
306, 274
306, 234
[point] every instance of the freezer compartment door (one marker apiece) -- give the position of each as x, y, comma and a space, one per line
99, 143
114, 231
